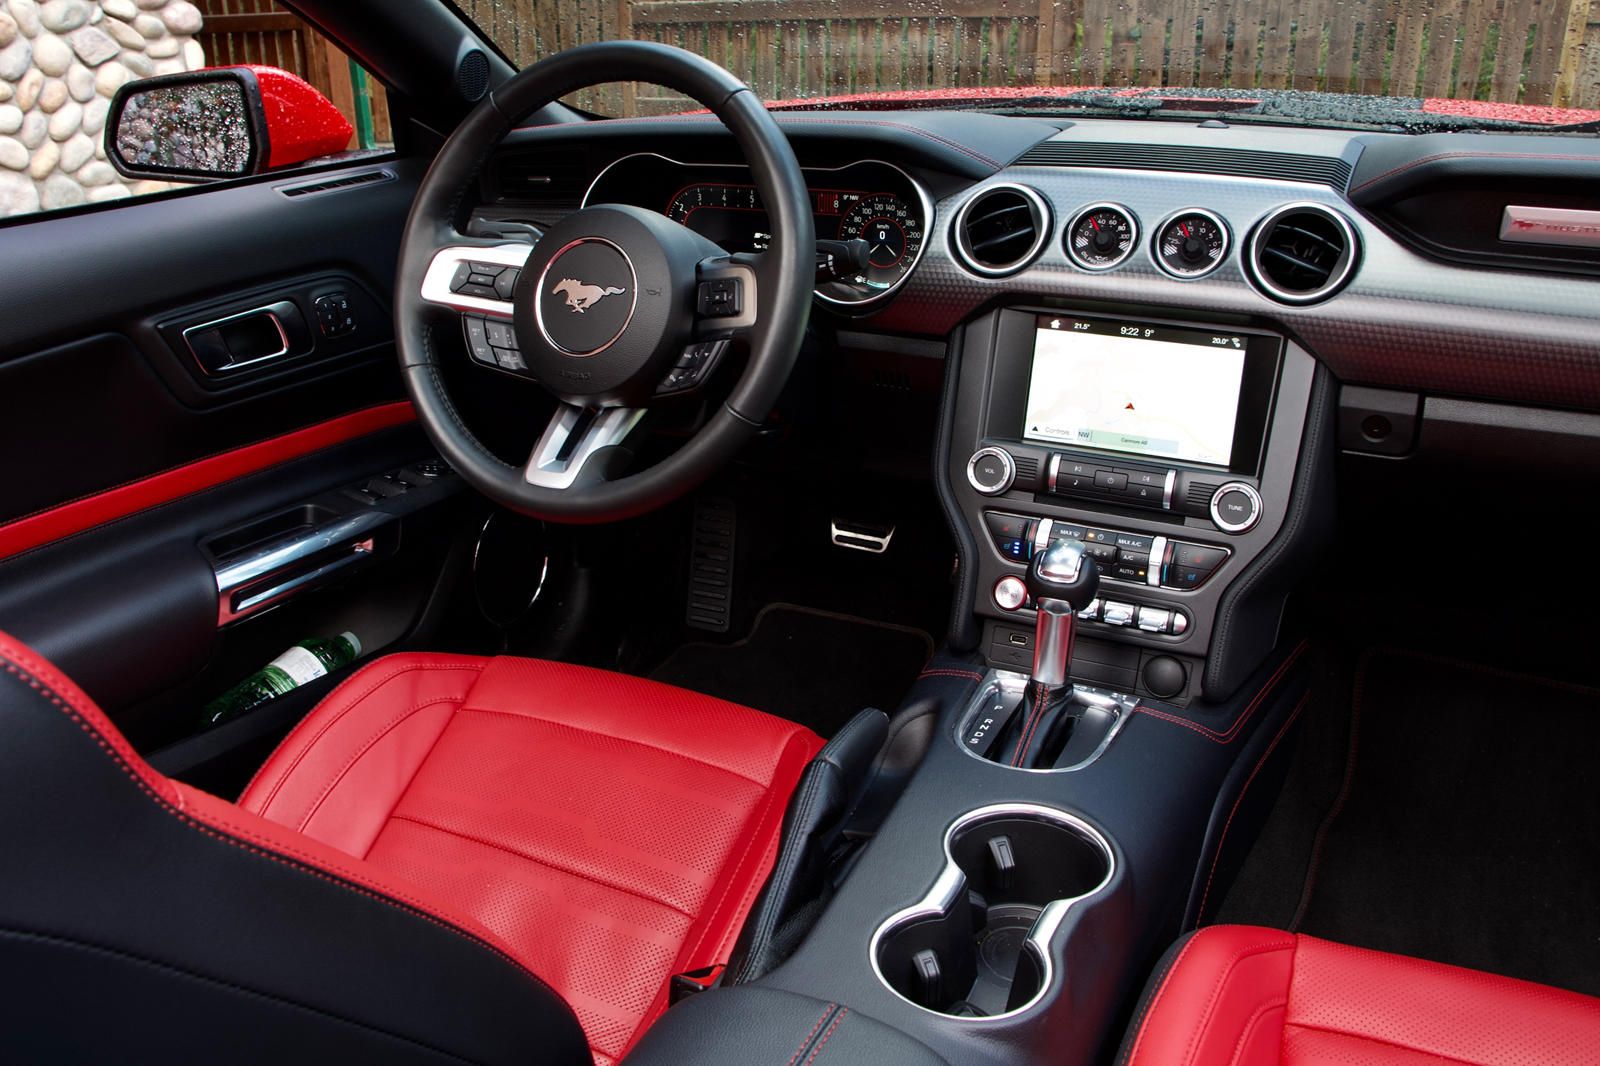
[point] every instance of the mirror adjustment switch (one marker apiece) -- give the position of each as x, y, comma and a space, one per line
335, 315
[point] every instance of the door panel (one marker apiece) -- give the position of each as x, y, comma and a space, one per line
126, 458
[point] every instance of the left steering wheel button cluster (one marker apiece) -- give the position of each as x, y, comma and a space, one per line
487, 281
692, 367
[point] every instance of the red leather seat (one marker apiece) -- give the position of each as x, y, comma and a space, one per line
610, 831
1237, 995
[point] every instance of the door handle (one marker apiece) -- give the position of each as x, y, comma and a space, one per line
241, 340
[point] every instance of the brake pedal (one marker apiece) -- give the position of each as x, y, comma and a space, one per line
711, 556
861, 536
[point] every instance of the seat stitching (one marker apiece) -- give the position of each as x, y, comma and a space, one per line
1216, 858
727, 882
1251, 1023
556, 724
806, 1040
1221, 982
305, 723
1379, 1040
559, 868
248, 841
367, 746
838, 1019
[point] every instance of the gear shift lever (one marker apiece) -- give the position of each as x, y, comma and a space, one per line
1062, 580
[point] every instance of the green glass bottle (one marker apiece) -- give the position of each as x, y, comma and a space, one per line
301, 664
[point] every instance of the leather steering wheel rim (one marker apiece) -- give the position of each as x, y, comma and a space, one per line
784, 273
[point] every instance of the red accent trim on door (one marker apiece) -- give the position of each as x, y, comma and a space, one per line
57, 523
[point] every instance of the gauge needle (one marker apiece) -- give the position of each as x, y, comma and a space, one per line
1185, 227
1095, 223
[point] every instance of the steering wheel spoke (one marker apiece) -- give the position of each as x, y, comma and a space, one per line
727, 294
573, 439
475, 278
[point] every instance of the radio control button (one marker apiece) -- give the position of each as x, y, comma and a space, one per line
991, 471
1149, 478
1235, 507
1117, 614
1010, 593
1110, 479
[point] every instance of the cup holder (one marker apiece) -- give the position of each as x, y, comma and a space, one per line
977, 945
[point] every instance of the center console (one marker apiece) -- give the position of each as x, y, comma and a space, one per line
1133, 501
1169, 448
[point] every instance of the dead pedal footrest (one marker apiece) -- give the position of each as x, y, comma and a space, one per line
711, 548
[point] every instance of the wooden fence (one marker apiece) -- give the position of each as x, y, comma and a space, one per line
261, 32
1513, 51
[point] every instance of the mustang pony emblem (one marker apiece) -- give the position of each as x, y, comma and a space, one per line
581, 297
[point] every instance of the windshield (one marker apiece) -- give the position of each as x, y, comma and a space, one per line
1408, 64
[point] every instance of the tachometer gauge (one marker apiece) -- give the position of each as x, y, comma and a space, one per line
1191, 244
1101, 236
892, 229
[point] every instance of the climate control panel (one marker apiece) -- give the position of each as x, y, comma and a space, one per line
1136, 558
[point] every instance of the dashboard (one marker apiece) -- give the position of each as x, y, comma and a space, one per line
872, 202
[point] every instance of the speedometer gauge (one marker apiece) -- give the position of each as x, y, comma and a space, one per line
1101, 236
1191, 244
892, 229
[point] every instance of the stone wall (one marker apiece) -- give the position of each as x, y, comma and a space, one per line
60, 63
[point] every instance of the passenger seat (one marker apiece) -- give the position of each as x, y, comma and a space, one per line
1236, 995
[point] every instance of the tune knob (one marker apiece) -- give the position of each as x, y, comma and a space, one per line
991, 471
1235, 507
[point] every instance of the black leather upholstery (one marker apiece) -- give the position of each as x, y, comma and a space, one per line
132, 930
765, 1027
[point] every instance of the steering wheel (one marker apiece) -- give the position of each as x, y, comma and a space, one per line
614, 308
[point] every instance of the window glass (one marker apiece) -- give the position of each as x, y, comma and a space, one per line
61, 62
1411, 64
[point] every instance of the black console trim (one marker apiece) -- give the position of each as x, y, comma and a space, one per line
963, 635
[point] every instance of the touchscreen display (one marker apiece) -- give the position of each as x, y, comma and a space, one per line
1138, 389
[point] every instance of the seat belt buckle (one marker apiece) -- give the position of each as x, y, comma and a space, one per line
684, 985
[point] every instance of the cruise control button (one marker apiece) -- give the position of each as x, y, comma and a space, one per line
500, 335
509, 359
478, 342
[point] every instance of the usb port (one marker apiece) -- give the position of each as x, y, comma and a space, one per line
1019, 640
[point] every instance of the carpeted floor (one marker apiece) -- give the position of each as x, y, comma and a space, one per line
1465, 827
813, 667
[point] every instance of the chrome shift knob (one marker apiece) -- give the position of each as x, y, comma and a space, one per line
1062, 579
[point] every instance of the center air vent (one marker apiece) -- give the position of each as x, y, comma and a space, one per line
1302, 253
1001, 229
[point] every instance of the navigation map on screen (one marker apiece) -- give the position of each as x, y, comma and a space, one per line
1153, 392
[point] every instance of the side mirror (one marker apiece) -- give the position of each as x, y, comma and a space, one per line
221, 122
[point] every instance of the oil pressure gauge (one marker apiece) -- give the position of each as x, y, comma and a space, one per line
1101, 236
1191, 244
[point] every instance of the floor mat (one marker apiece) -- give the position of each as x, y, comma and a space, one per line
1468, 827
812, 667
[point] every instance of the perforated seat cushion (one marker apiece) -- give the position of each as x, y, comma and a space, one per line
612, 831
1238, 995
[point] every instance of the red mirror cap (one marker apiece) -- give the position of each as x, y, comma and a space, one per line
302, 124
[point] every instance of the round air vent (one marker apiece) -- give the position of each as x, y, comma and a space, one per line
472, 75
1001, 229
1302, 253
